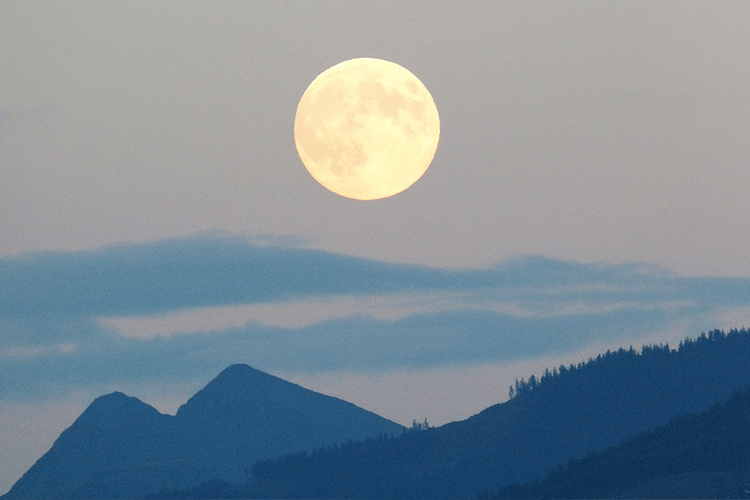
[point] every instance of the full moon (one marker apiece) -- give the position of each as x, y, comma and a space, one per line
366, 129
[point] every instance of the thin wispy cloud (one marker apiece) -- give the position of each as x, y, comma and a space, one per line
212, 271
194, 272
353, 343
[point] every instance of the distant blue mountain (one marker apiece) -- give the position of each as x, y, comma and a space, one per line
563, 415
228, 439
123, 448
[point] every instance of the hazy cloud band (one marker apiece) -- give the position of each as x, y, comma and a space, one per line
205, 271
53, 340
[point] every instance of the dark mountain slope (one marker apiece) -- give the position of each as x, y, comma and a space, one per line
697, 456
567, 414
245, 415
116, 438
123, 448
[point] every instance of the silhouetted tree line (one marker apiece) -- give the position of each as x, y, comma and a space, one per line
521, 387
417, 426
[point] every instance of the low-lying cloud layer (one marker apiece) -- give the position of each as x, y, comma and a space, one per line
58, 337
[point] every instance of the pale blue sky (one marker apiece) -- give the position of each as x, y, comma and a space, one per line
589, 191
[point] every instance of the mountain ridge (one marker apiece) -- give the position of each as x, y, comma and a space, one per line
558, 417
561, 416
121, 447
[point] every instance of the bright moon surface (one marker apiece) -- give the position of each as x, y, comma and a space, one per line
366, 129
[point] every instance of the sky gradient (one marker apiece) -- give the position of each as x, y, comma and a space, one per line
589, 191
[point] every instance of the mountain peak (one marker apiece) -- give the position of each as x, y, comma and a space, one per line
236, 386
240, 372
115, 408
114, 398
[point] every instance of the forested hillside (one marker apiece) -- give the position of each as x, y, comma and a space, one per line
564, 414
697, 456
